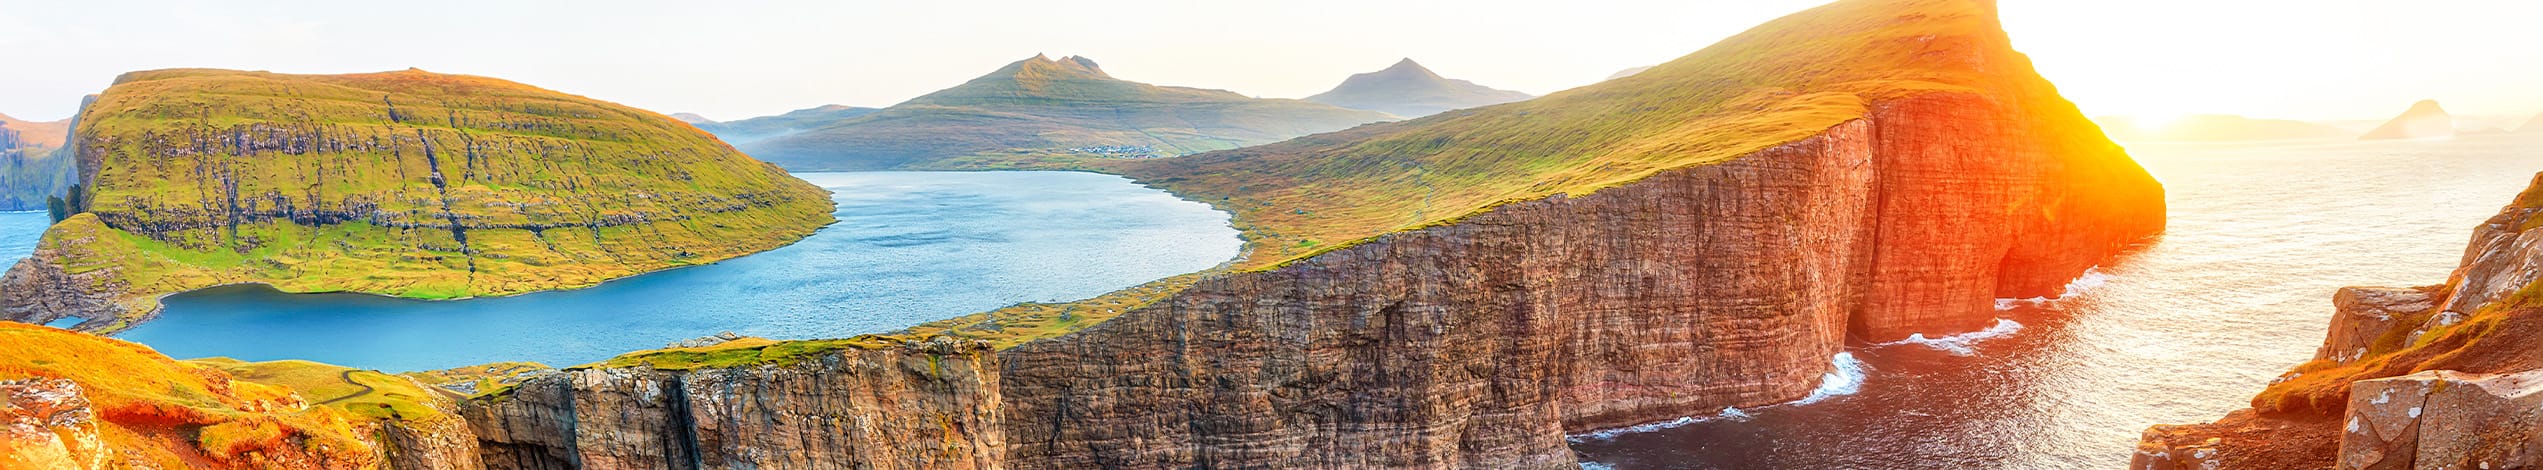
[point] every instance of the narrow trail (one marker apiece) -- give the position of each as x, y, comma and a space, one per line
347, 376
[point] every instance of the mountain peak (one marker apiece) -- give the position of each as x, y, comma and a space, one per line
1411, 90
2425, 120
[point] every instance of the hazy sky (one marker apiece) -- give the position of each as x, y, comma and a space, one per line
2340, 59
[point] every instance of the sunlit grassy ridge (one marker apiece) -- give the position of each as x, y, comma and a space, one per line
1049, 106
180, 414
406, 183
1780, 82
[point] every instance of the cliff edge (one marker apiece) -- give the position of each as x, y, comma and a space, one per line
2441, 376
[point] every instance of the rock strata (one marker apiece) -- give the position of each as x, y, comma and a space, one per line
2445, 419
923, 405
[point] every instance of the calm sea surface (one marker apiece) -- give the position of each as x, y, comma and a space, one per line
2190, 328
909, 248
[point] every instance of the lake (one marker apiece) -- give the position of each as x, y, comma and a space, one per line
909, 247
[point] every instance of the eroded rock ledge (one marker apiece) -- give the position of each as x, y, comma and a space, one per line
2443, 376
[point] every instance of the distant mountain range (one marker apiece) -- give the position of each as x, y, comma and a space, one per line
2214, 128
1043, 108
1407, 89
1628, 72
2424, 120
692, 118
2533, 125
769, 127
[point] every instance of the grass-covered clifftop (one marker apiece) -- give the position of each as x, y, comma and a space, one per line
1783, 81
409, 184
1780, 82
1045, 109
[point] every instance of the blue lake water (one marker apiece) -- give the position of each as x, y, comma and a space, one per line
18, 233
909, 247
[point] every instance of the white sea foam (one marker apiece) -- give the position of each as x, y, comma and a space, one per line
1588, 465
2092, 278
1846, 379
1965, 343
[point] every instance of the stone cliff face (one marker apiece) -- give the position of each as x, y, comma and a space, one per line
1481, 343
2441, 376
922, 405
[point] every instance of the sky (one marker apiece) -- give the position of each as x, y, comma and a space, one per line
2311, 59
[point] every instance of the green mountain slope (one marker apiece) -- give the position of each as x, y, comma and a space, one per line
1041, 108
767, 127
406, 183
1779, 82
1410, 90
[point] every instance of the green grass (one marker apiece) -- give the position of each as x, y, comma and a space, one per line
552, 191
1781, 82
742, 352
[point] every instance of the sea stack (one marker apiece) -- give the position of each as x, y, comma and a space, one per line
409, 184
1407, 89
2425, 120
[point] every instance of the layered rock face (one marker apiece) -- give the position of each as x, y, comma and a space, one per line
2442, 376
407, 183
924, 405
2445, 419
1481, 343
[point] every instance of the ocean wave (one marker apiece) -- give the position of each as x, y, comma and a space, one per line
1962, 344
2092, 278
1846, 379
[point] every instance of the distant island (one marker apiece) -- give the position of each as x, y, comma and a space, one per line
2425, 120
2213, 128
2533, 125
1037, 109
1407, 89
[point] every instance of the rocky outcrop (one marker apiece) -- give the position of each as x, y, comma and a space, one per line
2425, 120
40, 290
2365, 315
2445, 419
47, 423
2431, 377
922, 405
